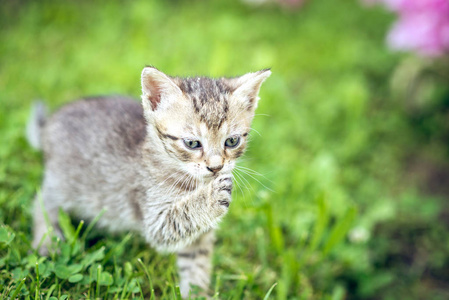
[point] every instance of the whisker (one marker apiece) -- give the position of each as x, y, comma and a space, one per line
257, 181
238, 183
249, 170
185, 182
244, 180
172, 188
196, 180
253, 129
241, 190
171, 176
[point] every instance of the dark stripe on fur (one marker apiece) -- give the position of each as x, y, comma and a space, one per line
190, 255
164, 135
204, 252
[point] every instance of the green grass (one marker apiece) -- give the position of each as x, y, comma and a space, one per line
323, 220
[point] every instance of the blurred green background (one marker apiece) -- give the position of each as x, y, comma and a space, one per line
350, 202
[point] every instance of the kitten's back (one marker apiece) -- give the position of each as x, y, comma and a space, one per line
94, 127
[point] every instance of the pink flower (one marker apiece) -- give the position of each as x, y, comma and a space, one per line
403, 6
423, 26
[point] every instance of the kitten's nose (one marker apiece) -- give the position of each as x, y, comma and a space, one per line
214, 163
215, 169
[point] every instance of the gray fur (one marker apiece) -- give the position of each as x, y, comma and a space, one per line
109, 153
36, 121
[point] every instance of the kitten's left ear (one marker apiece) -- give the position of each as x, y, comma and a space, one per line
247, 87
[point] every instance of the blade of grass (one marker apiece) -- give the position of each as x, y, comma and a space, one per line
17, 291
217, 286
340, 229
50, 291
118, 246
149, 277
77, 232
92, 224
38, 284
269, 291
97, 291
66, 225
320, 224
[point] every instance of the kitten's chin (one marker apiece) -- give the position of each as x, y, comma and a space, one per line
218, 174
208, 177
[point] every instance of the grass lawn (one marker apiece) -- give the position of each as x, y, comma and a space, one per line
335, 212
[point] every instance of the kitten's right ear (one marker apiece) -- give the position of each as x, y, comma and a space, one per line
155, 87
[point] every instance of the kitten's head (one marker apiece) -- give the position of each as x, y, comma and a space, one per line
202, 123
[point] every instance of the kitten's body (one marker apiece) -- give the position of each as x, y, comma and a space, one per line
107, 173
132, 161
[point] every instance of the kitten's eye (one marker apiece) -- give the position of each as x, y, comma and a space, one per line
191, 144
232, 142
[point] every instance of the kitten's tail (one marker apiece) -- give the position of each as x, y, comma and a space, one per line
36, 121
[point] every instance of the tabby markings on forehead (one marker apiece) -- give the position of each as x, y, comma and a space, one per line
209, 98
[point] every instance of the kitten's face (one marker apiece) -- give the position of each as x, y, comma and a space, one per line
205, 140
202, 123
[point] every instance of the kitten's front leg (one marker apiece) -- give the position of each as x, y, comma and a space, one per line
175, 225
194, 261
194, 264
40, 226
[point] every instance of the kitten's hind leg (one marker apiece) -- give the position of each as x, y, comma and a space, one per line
42, 220
194, 265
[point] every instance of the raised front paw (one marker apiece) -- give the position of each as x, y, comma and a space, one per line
221, 190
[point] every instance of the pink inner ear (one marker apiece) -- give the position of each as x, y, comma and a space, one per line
153, 88
154, 100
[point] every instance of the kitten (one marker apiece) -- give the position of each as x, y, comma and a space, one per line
162, 168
